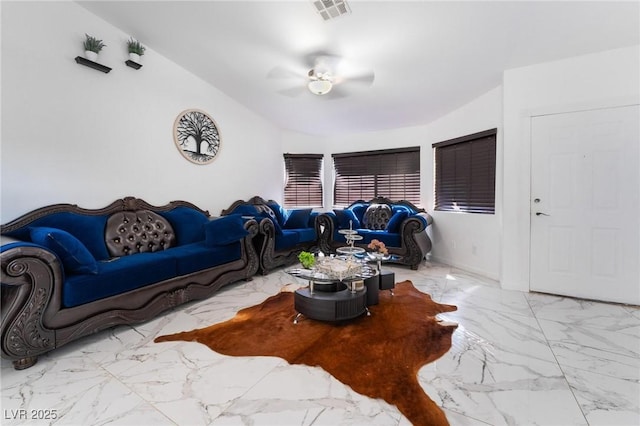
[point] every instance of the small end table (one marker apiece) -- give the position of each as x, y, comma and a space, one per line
387, 278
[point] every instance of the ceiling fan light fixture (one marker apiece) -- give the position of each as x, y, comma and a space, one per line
320, 86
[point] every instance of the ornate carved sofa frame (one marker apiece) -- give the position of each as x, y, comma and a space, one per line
399, 224
283, 234
41, 310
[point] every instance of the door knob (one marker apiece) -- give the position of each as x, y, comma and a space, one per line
537, 200
541, 214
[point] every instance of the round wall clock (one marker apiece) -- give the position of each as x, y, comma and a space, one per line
196, 136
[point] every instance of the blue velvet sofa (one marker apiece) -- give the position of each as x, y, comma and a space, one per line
68, 272
283, 233
400, 225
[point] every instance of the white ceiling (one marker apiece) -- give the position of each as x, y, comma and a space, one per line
429, 57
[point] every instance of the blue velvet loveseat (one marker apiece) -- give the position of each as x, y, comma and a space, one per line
400, 225
68, 272
283, 233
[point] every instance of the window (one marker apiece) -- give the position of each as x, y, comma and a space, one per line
465, 173
390, 173
303, 184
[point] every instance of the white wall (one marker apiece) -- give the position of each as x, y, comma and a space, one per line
599, 80
73, 134
468, 241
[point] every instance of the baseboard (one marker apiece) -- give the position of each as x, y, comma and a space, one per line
464, 267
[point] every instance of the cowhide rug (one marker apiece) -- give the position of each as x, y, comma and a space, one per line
378, 355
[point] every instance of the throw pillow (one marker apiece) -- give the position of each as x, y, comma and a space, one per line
187, 223
72, 253
281, 213
359, 209
224, 230
298, 218
88, 229
344, 216
246, 210
396, 220
266, 211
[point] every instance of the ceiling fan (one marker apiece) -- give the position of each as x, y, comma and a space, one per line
329, 75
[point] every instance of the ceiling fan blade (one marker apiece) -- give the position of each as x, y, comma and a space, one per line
282, 73
294, 92
337, 92
321, 57
363, 78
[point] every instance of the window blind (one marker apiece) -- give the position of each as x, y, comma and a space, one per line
465, 173
392, 173
303, 183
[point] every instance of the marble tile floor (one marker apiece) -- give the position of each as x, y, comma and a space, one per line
516, 359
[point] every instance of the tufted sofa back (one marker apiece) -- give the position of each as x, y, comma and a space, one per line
138, 231
377, 216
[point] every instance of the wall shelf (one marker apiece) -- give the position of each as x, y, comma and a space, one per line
96, 66
133, 64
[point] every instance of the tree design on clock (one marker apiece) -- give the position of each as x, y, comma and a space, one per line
196, 136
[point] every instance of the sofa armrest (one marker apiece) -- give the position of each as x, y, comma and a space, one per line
266, 227
427, 217
32, 278
253, 257
326, 224
328, 218
253, 229
415, 240
417, 222
313, 217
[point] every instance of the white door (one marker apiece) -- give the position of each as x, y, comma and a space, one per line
585, 204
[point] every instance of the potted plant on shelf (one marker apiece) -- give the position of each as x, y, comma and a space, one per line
136, 49
92, 46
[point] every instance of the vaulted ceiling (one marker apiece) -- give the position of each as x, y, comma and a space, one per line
428, 57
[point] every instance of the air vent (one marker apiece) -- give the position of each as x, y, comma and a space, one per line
330, 9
